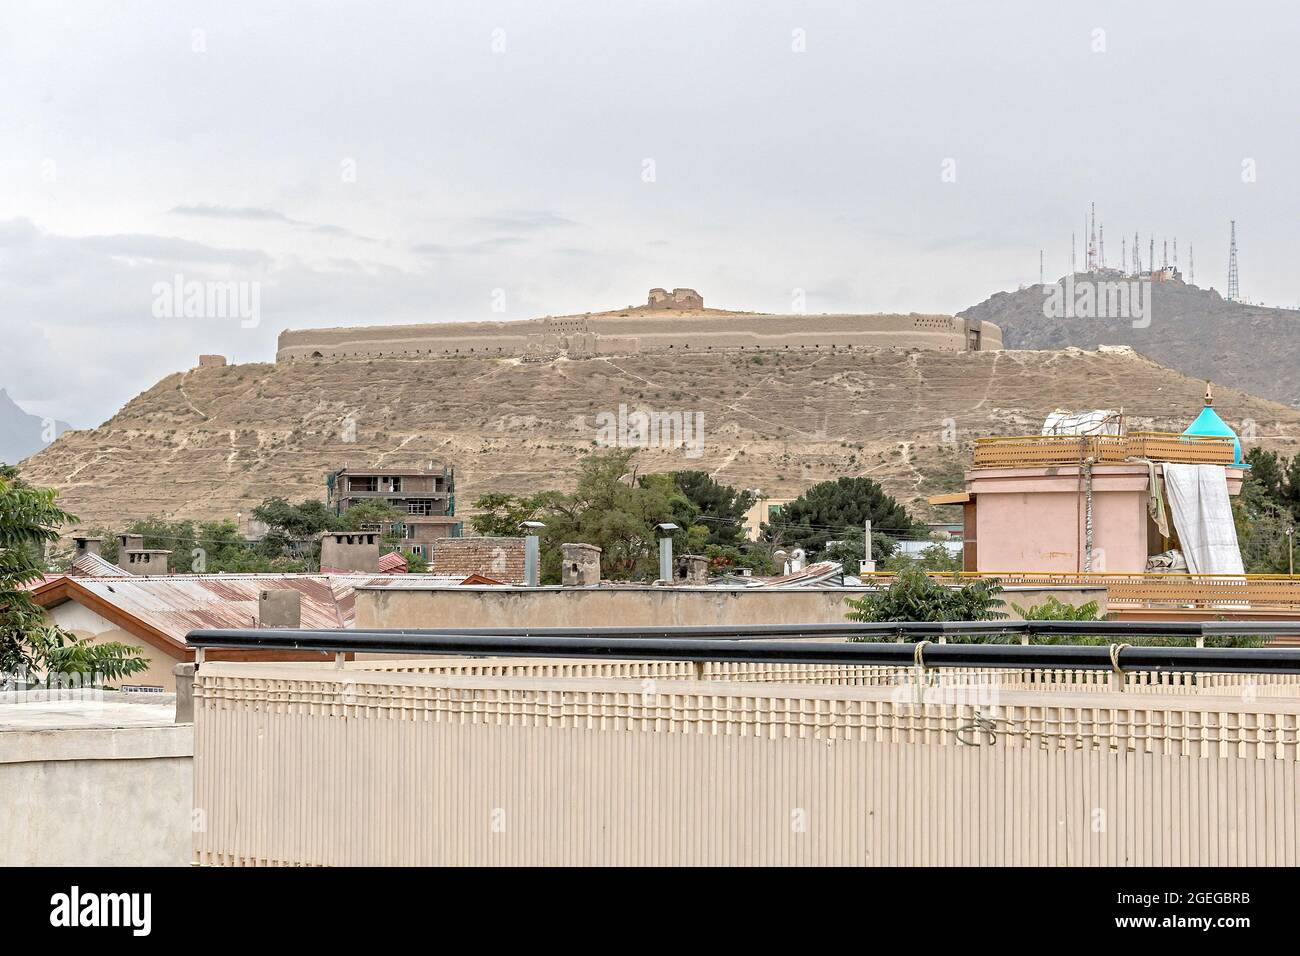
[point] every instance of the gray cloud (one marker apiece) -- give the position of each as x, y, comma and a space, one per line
388, 166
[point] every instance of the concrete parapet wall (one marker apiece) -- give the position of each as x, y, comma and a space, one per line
101, 796
601, 607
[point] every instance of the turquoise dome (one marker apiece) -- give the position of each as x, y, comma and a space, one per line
1209, 423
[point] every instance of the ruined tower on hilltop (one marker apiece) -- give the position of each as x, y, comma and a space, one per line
679, 300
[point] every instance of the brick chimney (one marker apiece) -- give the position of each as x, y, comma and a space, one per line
350, 551
581, 565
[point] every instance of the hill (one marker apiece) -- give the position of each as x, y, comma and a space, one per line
1192, 330
214, 441
23, 434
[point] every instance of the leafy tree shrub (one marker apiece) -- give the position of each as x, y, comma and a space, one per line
29, 645
915, 596
834, 510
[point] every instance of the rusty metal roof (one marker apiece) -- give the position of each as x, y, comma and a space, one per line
176, 604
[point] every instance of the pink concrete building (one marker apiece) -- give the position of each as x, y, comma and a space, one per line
1036, 518
1077, 503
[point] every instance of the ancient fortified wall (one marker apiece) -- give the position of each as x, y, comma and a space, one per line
669, 321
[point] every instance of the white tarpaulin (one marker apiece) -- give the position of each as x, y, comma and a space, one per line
1101, 422
1202, 513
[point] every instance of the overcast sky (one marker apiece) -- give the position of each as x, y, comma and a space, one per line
399, 162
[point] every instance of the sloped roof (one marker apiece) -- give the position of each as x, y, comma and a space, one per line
96, 566
394, 562
170, 606
820, 572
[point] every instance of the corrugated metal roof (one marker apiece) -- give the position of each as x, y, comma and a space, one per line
392, 563
96, 566
821, 572
176, 604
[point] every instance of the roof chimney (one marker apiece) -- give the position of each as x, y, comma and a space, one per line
82, 546
581, 567
143, 560
350, 551
696, 568
279, 607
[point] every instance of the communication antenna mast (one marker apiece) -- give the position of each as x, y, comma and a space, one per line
1073, 270
1123, 253
1092, 241
1233, 290
1137, 256
1164, 254
1101, 248
1151, 256
1191, 264
1040, 267
1175, 253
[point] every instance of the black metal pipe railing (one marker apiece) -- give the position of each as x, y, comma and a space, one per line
772, 644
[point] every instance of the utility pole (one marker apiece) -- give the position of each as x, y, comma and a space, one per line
868, 565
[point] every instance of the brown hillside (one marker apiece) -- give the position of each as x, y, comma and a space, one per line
215, 441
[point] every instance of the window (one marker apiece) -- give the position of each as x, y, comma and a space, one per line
363, 484
391, 484
419, 506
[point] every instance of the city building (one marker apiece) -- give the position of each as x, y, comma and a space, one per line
426, 498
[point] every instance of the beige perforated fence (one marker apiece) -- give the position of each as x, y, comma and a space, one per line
1250, 685
304, 765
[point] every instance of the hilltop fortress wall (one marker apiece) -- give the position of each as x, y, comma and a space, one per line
657, 327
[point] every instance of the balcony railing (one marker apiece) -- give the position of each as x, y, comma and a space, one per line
1227, 592
1029, 451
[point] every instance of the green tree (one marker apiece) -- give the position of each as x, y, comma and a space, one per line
835, 510
30, 519
1054, 609
720, 509
934, 557
916, 596
500, 515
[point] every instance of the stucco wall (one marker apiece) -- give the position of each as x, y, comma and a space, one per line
86, 624
120, 796
1034, 519
607, 607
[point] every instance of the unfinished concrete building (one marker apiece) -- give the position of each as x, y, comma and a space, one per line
425, 497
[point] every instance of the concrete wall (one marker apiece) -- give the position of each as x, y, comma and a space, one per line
618, 606
636, 331
120, 796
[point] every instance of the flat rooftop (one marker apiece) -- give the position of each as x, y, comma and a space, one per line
78, 710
